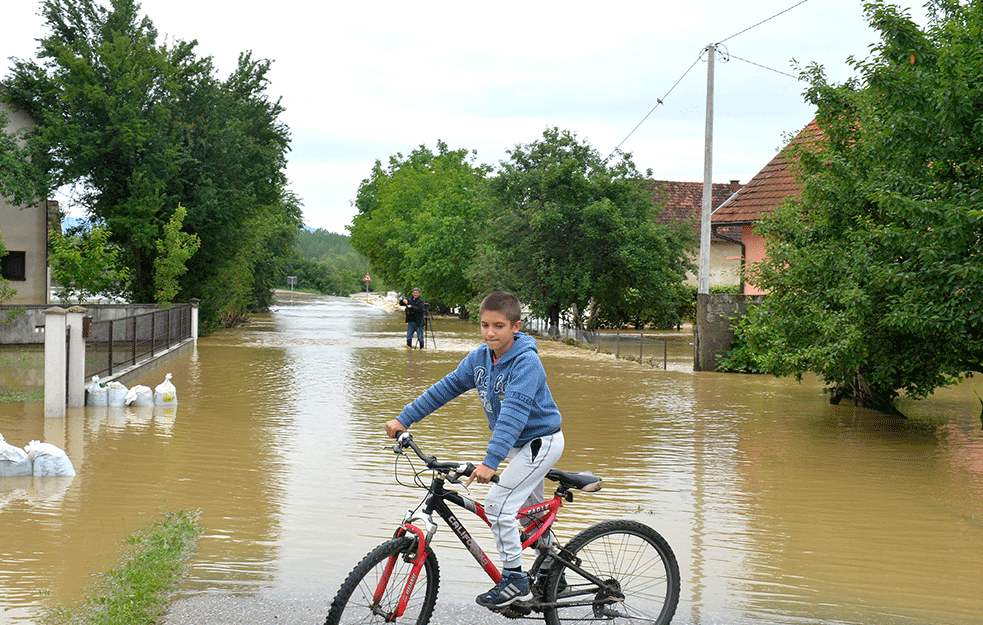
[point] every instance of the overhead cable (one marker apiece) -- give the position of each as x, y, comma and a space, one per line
658, 101
728, 56
770, 69
763, 21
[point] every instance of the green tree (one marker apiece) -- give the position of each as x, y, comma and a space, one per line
876, 272
572, 230
419, 221
22, 183
141, 126
86, 264
173, 252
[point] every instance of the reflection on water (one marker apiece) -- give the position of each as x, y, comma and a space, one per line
780, 507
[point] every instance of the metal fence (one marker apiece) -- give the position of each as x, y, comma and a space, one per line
114, 344
635, 345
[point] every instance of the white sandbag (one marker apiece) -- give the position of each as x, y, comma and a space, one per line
165, 394
116, 394
96, 393
14, 461
139, 395
49, 461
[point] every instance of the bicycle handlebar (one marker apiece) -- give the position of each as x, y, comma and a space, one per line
454, 470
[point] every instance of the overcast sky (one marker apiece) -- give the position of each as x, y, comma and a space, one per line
364, 80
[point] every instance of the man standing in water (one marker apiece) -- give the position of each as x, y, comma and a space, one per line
415, 317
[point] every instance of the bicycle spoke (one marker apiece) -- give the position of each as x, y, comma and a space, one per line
356, 602
640, 575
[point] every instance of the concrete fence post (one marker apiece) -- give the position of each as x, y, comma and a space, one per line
76, 357
55, 325
194, 318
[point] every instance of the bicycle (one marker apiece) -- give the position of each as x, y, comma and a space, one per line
617, 570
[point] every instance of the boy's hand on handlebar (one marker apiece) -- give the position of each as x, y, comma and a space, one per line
394, 427
481, 474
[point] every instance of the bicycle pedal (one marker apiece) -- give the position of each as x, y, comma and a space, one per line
518, 609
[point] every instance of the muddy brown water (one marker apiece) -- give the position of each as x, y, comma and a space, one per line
780, 507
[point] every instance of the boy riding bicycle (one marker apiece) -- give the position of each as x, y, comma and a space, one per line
510, 380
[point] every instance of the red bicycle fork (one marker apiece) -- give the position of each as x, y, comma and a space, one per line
404, 597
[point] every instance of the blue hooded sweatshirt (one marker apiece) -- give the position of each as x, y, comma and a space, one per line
513, 392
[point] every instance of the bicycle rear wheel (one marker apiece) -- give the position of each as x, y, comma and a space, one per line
355, 603
639, 570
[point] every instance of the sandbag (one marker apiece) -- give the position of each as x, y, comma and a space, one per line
139, 395
96, 393
165, 394
14, 461
49, 461
116, 394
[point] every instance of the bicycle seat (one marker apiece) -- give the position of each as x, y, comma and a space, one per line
583, 480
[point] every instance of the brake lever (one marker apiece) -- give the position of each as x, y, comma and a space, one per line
463, 470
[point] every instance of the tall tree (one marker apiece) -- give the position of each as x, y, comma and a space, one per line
572, 230
141, 126
419, 221
876, 273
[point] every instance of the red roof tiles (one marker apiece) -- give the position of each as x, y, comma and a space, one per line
768, 189
684, 200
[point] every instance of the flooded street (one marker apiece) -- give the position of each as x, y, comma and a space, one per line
780, 507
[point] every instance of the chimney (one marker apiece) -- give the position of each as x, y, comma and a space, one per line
735, 186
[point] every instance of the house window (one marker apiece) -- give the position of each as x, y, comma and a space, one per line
13, 266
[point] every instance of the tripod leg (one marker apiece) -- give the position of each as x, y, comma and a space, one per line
428, 324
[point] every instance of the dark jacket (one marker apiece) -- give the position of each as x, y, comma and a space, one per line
415, 310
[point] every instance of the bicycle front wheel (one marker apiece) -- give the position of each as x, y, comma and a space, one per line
637, 567
356, 600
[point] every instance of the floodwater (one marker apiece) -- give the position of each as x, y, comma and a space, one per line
780, 507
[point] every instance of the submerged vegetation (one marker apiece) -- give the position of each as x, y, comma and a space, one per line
137, 591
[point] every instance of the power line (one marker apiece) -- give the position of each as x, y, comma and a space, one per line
770, 69
658, 101
763, 21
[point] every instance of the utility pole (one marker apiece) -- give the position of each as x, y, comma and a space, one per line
703, 338
703, 284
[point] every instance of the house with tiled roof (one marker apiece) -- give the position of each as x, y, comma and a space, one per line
684, 203
757, 199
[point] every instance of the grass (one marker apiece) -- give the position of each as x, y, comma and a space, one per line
13, 363
7, 397
138, 591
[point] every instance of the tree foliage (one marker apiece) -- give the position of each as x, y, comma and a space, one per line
572, 230
140, 127
22, 183
173, 252
419, 221
86, 264
876, 272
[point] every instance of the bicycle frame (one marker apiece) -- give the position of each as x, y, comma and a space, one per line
536, 520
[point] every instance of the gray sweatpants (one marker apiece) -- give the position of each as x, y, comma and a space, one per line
519, 485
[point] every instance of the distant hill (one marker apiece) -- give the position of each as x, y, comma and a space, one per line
319, 244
